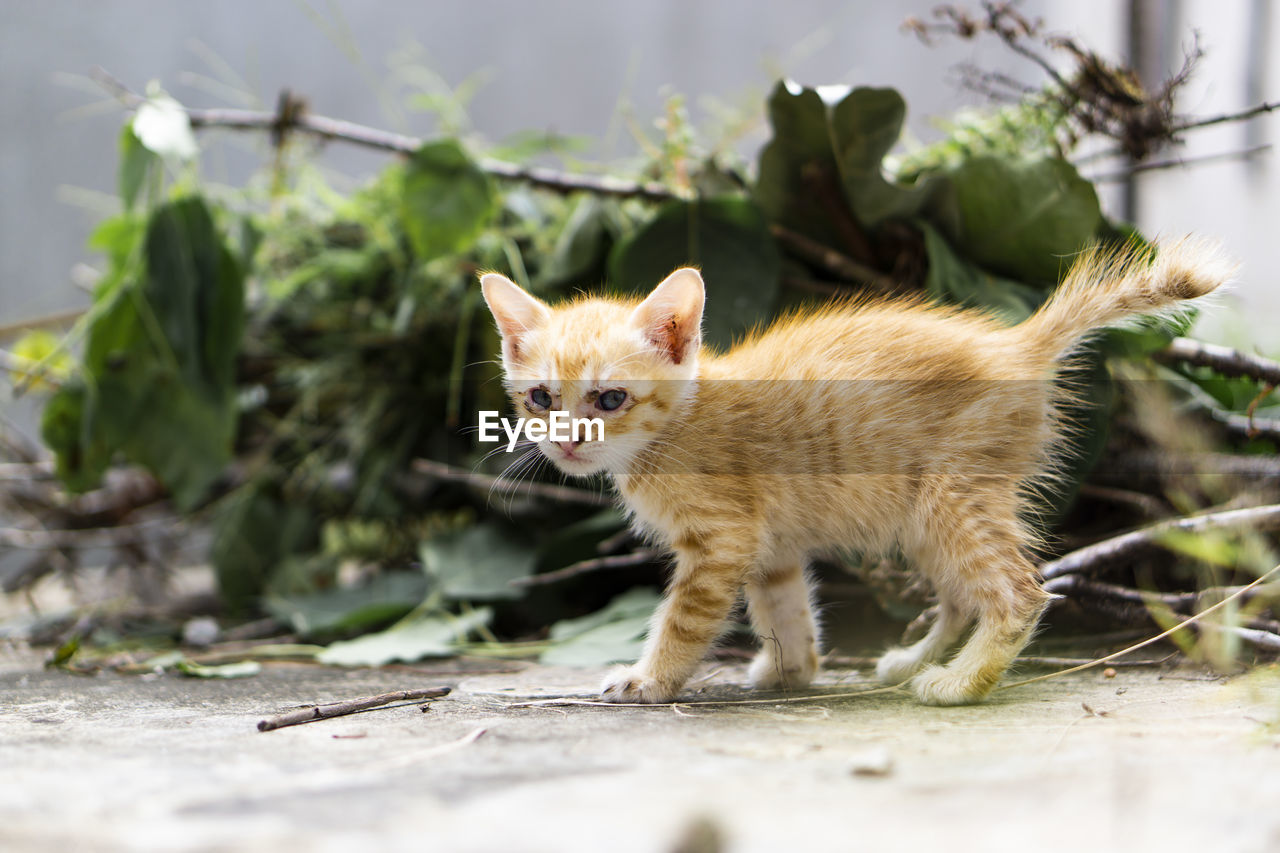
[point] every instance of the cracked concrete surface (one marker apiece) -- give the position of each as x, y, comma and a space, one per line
1168, 760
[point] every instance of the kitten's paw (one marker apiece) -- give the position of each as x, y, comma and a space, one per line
767, 672
938, 685
631, 684
897, 665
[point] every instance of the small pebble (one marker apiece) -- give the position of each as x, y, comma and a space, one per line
1108, 673
201, 631
873, 762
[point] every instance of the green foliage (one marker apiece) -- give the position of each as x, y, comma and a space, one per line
360, 345
728, 239
447, 199
158, 383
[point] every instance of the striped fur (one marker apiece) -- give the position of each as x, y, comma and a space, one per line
873, 424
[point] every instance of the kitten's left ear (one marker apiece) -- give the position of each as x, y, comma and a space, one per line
671, 316
515, 311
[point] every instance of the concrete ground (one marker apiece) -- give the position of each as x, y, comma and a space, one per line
1146, 760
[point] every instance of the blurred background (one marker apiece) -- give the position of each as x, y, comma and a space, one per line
594, 70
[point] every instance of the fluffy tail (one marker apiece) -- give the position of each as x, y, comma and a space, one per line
1106, 287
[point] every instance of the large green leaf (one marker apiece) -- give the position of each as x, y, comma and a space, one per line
477, 563
728, 239
447, 199
953, 279
417, 637
1024, 218
386, 598
865, 125
798, 156
158, 383
614, 634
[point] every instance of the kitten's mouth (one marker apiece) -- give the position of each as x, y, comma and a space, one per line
576, 461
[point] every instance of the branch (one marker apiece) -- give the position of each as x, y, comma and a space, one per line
829, 259
1158, 165
582, 567
1117, 548
298, 120
312, 713
1121, 468
1227, 361
559, 494
1178, 602
1243, 115
90, 537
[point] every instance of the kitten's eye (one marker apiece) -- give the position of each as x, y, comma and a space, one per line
611, 400
540, 398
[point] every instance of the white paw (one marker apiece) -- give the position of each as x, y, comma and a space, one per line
897, 665
632, 685
938, 685
769, 673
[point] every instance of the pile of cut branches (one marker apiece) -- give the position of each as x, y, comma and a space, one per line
297, 371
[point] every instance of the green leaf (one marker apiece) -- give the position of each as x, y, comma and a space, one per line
728, 239
798, 156
614, 634
582, 248
1024, 218
136, 163
253, 533
447, 199
240, 669
382, 600
433, 635
865, 126
477, 563
953, 279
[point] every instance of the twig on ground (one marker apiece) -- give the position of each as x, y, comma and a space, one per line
1118, 547
312, 713
595, 564
1025, 660
1225, 360
560, 494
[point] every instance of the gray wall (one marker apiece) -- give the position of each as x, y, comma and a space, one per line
552, 65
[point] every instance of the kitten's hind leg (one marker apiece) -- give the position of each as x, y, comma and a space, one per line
782, 614
1007, 613
897, 665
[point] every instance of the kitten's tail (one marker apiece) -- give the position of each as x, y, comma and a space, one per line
1105, 287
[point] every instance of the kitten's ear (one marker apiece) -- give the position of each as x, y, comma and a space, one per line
515, 311
671, 316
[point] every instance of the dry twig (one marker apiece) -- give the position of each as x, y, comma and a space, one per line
311, 713
582, 567
549, 491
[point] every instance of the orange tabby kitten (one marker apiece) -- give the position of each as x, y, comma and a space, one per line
873, 424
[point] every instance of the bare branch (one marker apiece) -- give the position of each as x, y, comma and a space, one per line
1123, 546
829, 259
1242, 115
559, 494
1159, 165
1227, 361
298, 120
582, 567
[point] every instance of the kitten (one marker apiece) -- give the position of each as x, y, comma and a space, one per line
870, 424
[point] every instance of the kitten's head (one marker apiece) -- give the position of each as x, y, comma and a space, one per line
629, 363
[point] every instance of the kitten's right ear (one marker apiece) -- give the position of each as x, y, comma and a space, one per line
515, 311
671, 316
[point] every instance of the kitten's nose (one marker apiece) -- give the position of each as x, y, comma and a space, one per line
569, 446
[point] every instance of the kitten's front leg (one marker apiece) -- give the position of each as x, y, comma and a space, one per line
702, 592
